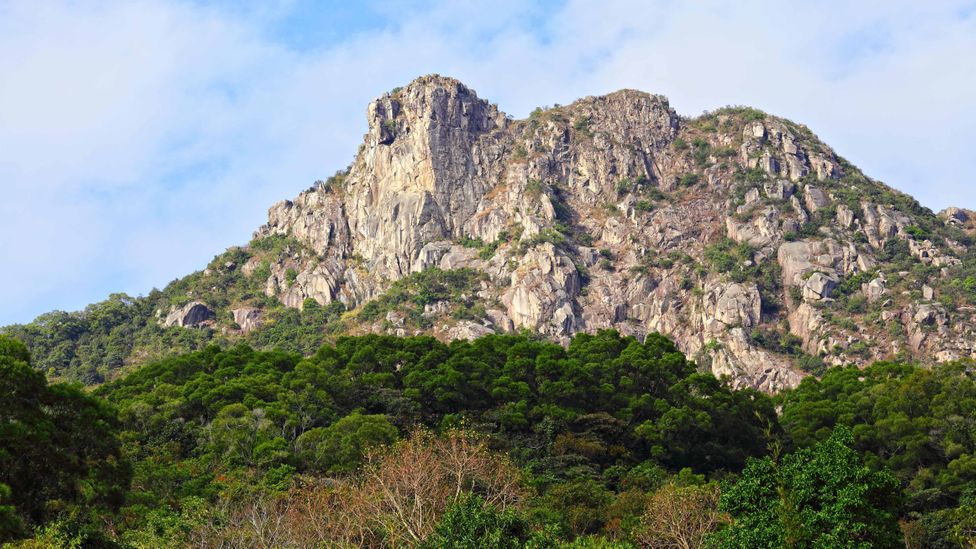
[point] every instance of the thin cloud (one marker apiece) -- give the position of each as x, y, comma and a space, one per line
138, 139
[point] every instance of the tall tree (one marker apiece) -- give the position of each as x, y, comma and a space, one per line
824, 496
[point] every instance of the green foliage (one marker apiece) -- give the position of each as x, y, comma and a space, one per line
811, 364
624, 186
582, 125
291, 275
552, 235
752, 175
701, 150
737, 261
606, 413
917, 232
534, 188
339, 447
473, 524
88, 345
688, 180
592, 427
824, 496
778, 341
919, 423
59, 449
644, 205
424, 288
301, 331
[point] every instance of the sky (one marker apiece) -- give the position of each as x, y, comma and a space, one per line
139, 139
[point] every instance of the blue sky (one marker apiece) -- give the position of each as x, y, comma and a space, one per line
140, 138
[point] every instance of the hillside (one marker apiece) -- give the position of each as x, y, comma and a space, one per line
740, 235
503, 441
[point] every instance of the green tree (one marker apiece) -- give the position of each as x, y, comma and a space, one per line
340, 447
473, 524
59, 448
919, 423
816, 497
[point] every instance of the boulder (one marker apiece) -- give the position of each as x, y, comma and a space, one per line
819, 286
248, 318
875, 289
191, 315
779, 189
814, 198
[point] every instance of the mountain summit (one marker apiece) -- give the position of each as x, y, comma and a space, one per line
740, 235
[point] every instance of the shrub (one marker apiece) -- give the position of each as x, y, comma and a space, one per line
644, 206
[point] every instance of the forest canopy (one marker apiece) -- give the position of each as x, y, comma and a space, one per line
505, 440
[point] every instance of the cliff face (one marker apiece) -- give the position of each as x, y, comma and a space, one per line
738, 234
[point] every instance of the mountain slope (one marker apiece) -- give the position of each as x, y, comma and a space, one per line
740, 235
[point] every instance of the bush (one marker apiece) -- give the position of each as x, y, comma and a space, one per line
470, 523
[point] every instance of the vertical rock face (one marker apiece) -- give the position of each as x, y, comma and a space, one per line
430, 155
735, 233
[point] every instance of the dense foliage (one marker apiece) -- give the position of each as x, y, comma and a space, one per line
822, 496
89, 345
503, 441
59, 449
918, 423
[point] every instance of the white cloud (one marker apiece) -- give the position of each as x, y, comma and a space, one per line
138, 139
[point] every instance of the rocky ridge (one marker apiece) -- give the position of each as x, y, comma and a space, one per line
738, 234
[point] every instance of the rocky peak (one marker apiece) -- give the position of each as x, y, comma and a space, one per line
428, 158
738, 234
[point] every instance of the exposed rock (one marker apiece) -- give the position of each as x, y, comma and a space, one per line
956, 216
749, 366
819, 286
761, 230
875, 289
250, 266
248, 318
469, 330
592, 216
191, 315
845, 216
799, 259
814, 198
779, 189
542, 290
882, 223
500, 320
731, 304
924, 323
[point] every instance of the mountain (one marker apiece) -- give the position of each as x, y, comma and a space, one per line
762, 253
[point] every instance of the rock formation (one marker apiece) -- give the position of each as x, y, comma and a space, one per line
615, 212
191, 315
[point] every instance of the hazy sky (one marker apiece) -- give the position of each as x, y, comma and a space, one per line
140, 139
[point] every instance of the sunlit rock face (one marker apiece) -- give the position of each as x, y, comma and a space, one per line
723, 232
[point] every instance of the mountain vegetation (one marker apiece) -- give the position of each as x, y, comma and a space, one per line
506, 440
740, 235
604, 326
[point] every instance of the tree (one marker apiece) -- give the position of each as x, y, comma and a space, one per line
341, 446
59, 448
816, 497
919, 423
472, 524
680, 517
409, 486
